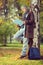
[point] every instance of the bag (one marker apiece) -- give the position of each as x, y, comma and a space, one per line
34, 53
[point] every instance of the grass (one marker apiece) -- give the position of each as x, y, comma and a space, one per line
9, 56
15, 45
21, 62
12, 46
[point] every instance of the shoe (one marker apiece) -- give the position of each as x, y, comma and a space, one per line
22, 57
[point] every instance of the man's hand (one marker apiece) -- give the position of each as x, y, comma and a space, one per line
24, 22
18, 26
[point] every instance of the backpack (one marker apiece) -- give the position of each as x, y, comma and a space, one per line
34, 53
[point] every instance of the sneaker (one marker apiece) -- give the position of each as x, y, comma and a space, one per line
22, 57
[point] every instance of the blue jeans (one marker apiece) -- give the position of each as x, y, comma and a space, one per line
25, 46
18, 36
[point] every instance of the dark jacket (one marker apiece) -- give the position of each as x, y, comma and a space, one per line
29, 24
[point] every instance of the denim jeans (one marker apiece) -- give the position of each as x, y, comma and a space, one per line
18, 36
25, 46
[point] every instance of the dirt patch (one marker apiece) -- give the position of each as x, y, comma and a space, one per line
5, 52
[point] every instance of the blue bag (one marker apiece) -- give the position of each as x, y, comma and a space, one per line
34, 53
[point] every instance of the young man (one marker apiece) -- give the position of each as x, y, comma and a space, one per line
19, 35
29, 22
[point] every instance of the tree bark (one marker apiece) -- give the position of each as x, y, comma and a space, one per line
36, 40
10, 38
5, 40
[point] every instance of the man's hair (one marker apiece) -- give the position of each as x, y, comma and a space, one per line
24, 6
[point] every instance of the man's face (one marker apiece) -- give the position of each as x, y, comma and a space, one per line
32, 6
24, 10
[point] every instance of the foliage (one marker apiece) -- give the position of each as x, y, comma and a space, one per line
7, 27
24, 2
41, 22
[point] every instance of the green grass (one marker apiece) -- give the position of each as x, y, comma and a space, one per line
21, 62
15, 46
8, 58
12, 46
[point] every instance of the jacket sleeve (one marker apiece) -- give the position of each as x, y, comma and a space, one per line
30, 18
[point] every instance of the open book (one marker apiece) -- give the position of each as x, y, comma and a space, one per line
17, 21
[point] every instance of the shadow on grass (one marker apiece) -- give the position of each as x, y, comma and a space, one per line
41, 58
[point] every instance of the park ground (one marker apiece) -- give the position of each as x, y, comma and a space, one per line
10, 54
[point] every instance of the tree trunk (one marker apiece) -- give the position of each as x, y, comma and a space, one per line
5, 40
36, 40
6, 9
10, 38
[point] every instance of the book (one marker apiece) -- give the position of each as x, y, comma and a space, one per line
17, 21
